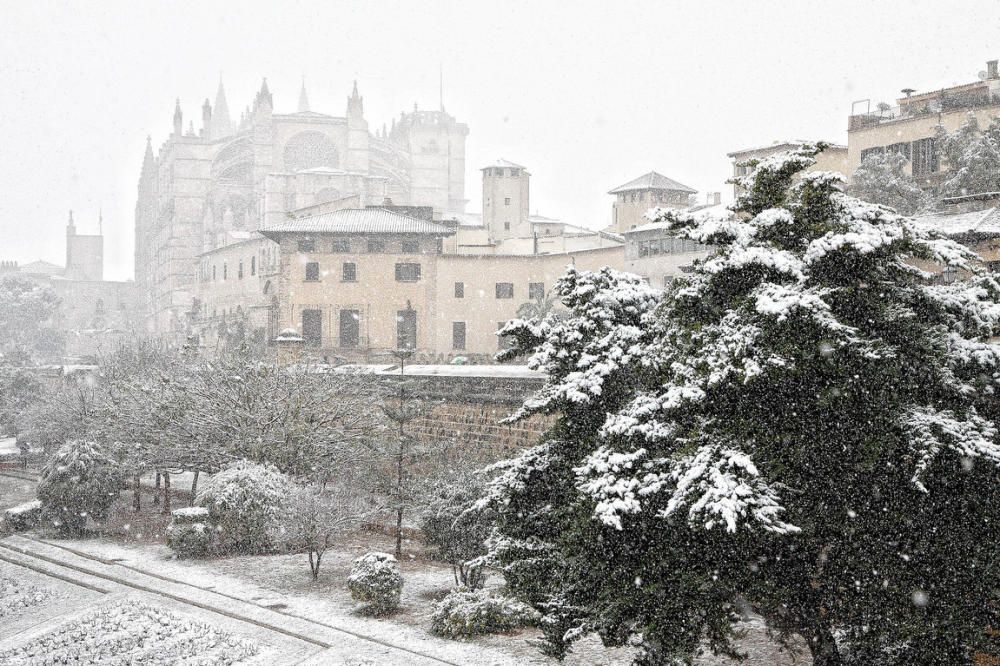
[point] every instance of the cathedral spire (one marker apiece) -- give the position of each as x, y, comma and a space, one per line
355, 103
178, 118
264, 97
70, 226
147, 158
303, 97
222, 124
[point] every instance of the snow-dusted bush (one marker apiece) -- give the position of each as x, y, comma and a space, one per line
17, 595
376, 582
23, 516
470, 613
190, 515
314, 518
458, 530
189, 538
245, 501
80, 480
131, 632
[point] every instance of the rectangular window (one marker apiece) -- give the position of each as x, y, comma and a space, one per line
536, 291
307, 246
239, 271
253, 265
312, 327
350, 272
504, 341
342, 245
505, 290
459, 290
406, 329
458, 335
925, 158
407, 272
506, 225
376, 245
411, 247
506, 201
312, 271
350, 328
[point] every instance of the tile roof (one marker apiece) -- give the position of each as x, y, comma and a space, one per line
357, 221
652, 181
953, 224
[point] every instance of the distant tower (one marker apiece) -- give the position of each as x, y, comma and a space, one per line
505, 200
206, 120
84, 253
651, 190
357, 133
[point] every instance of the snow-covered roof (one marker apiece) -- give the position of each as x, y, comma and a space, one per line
791, 143
41, 267
357, 221
979, 222
450, 370
720, 211
503, 164
653, 181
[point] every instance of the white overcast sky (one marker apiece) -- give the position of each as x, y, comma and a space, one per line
587, 95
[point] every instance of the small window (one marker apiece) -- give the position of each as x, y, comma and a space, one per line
307, 246
342, 245
375, 245
225, 271
536, 291
459, 290
458, 335
213, 273
506, 201
350, 328
253, 265
949, 274
407, 272
505, 290
411, 247
350, 272
504, 341
506, 225
312, 271
239, 271
514, 173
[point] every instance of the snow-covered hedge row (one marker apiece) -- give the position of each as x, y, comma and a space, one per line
191, 533
23, 516
376, 582
465, 613
16, 596
132, 632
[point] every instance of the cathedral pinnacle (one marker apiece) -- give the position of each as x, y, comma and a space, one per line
222, 124
303, 97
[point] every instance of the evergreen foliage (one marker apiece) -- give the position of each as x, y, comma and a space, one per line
458, 531
78, 481
803, 427
375, 581
973, 157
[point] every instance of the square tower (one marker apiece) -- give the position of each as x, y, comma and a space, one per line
505, 200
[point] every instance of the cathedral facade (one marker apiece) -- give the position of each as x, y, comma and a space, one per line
207, 189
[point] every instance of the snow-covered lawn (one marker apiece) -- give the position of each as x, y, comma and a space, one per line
14, 491
129, 631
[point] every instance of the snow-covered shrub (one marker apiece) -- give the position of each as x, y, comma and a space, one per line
244, 502
190, 534
469, 613
23, 516
80, 480
376, 582
458, 530
132, 632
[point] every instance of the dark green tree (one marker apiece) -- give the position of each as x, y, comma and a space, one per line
804, 428
882, 179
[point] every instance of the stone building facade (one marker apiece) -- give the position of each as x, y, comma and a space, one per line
207, 189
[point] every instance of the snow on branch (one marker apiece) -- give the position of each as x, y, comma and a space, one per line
720, 487
932, 430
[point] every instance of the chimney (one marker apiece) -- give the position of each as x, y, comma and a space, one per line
991, 69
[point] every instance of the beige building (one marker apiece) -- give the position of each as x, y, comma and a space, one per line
636, 197
909, 127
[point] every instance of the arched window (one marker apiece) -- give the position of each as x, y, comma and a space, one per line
308, 150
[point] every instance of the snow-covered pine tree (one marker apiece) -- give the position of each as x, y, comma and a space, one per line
881, 179
804, 429
973, 158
